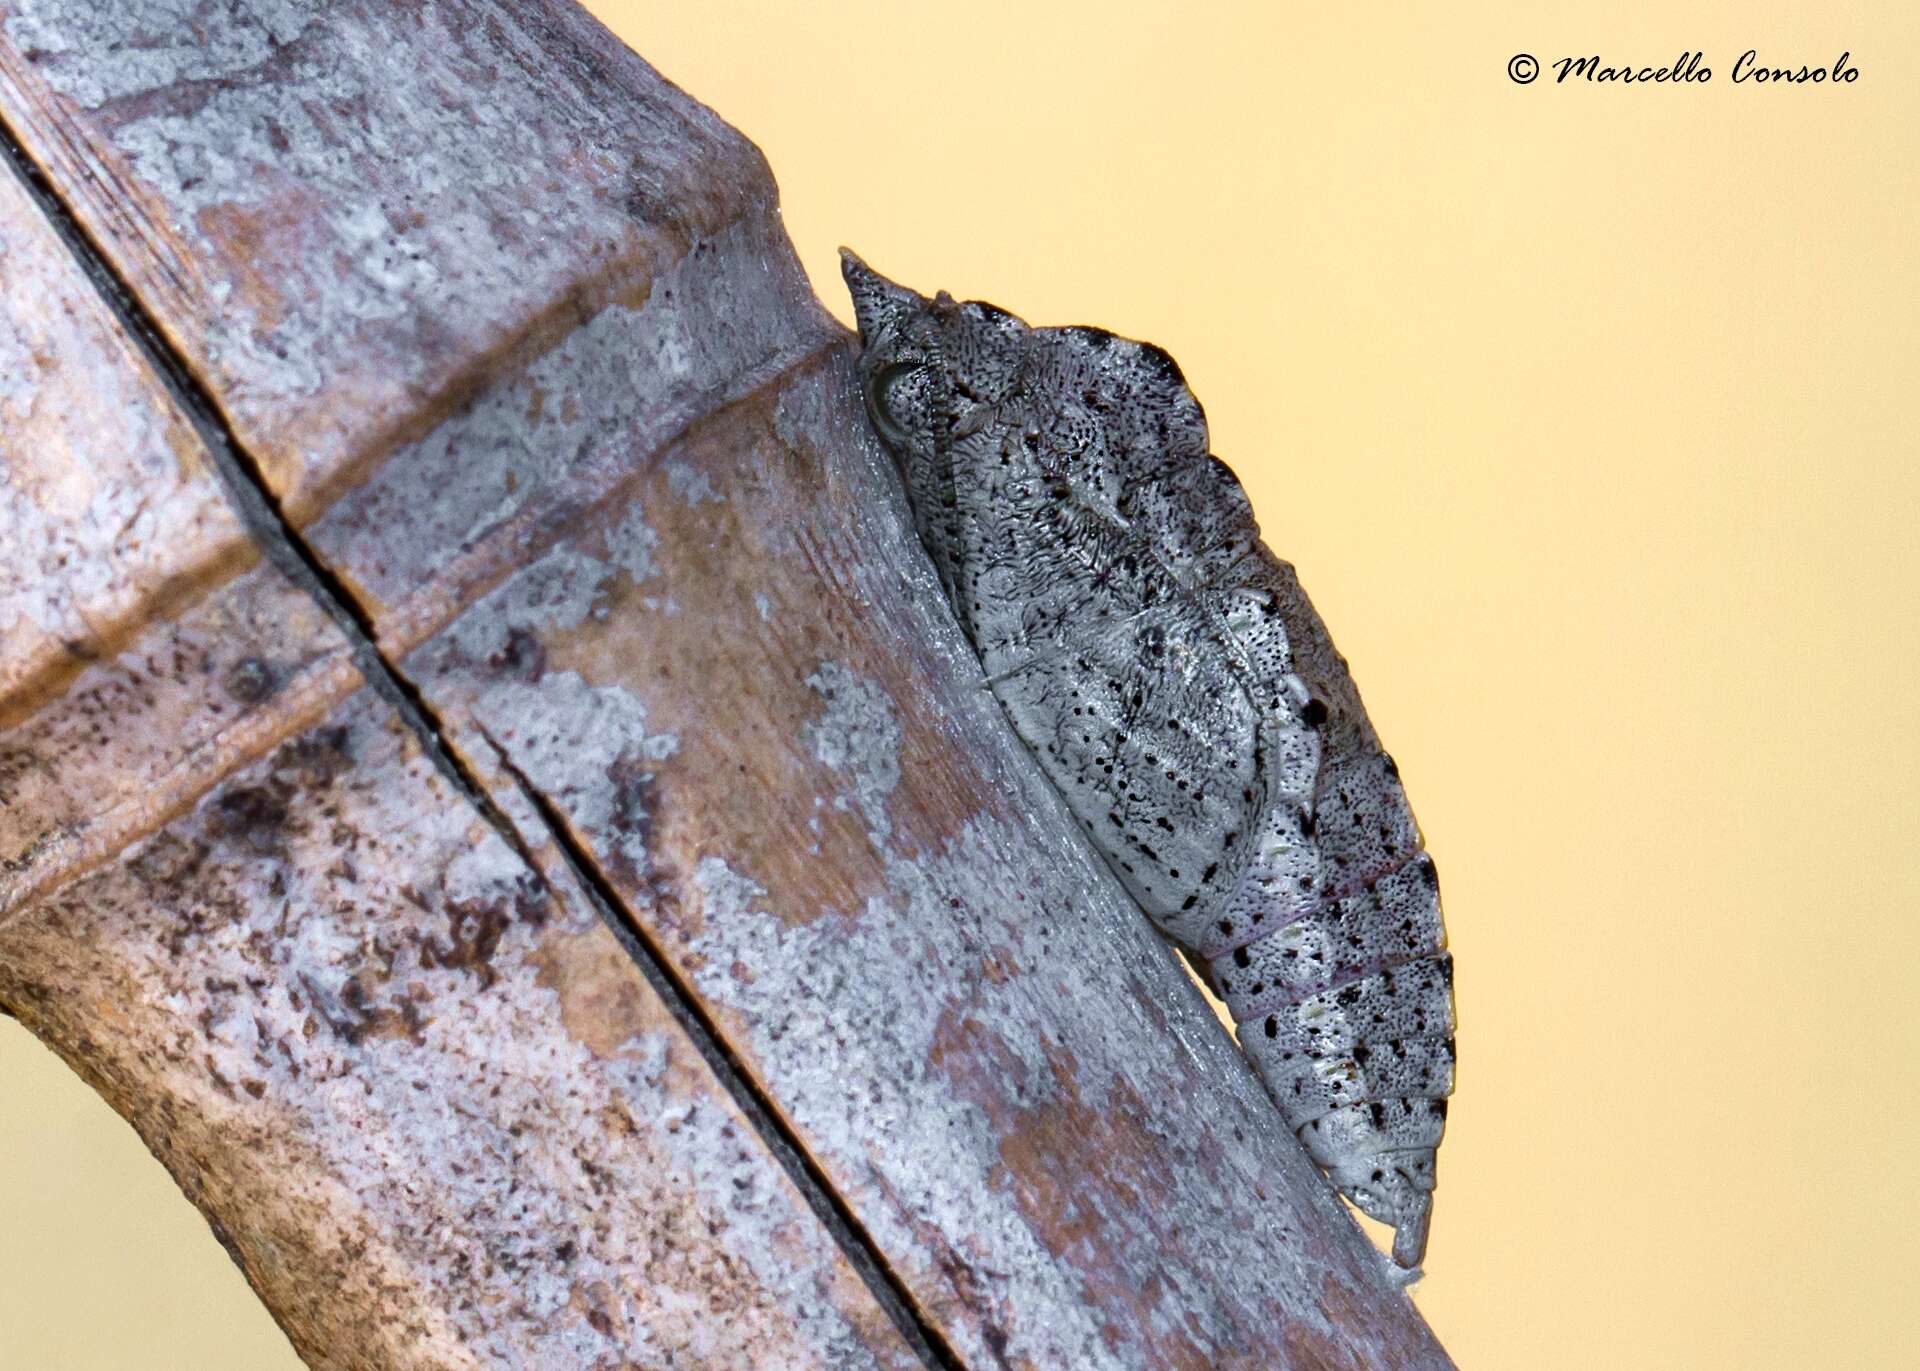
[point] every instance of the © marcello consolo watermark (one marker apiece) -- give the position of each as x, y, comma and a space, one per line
1688, 69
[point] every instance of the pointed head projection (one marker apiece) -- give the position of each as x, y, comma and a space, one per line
913, 350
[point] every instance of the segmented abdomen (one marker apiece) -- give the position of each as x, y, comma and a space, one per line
1344, 994
1264, 828
1347, 1010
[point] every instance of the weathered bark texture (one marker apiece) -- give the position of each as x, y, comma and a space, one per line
568, 903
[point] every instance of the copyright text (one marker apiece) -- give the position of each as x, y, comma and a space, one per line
1689, 68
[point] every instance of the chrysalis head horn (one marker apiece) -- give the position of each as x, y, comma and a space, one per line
876, 300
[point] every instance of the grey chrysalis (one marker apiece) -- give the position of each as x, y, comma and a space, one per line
1178, 689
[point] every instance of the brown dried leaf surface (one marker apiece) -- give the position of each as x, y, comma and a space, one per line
126, 682
425, 1097
114, 518
431, 1105
349, 216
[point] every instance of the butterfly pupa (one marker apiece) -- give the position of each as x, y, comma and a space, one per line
1178, 689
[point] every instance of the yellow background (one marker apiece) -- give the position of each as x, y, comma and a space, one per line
1589, 417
